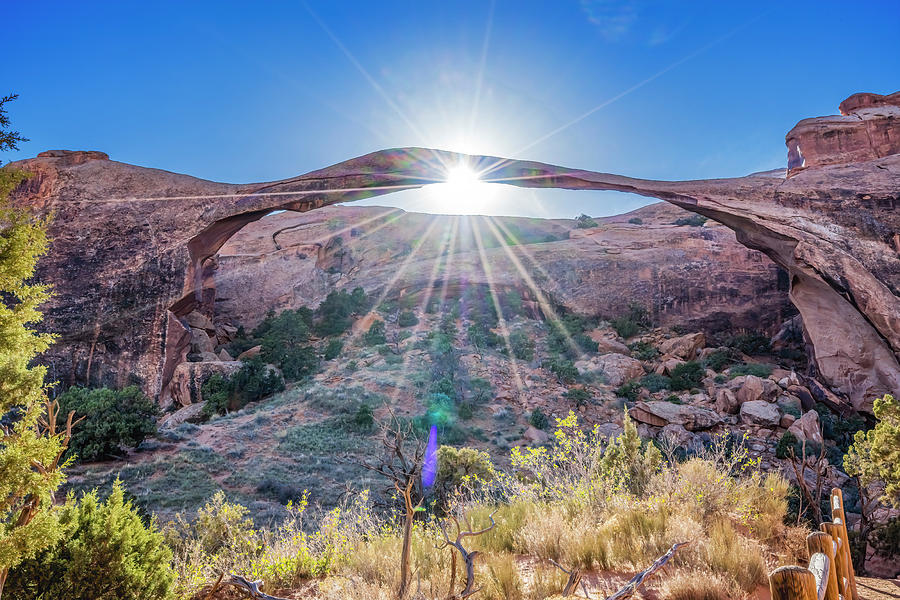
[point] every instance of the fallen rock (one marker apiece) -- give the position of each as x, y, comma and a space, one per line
678, 435
618, 368
248, 354
726, 402
685, 347
760, 412
190, 376
660, 413
197, 320
787, 421
807, 402
807, 427
535, 435
667, 365
223, 355
192, 413
748, 388
201, 342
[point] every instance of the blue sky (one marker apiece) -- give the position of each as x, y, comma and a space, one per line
241, 91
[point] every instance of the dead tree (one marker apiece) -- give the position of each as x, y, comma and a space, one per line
468, 556
638, 580
820, 469
572, 582
401, 465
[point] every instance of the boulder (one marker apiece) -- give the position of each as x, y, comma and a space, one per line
726, 402
609, 430
535, 435
685, 347
660, 413
786, 421
788, 403
201, 342
197, 320
807, 402
607, 345
223, 355
248, 354
679, 436
748, 388
807, 427
192, 413
668, 363
190, 376
760, 412
619, 369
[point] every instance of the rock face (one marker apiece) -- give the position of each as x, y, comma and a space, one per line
660, 413
134, 250
760, 412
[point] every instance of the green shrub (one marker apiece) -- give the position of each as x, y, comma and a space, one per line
583, 221
364, 418
114, 419
654, 382
522, 345
254, 381
687, 376
538, 419
334, 313
629, 462
407, 318
480, 390
691, 221
375, 335
787, 442
579, 396
757, 369
636, 221
333, 349
643, 350
564, 369
107, 553
444, 386
718, 359
633, 322
457, 466
629, 389
751, 343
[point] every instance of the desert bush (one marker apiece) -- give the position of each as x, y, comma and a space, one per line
691, 221
375, 336
107, 553
407, 318
538, 419
785, 444
751, 343
636, 221
501, 578
643, 350
583, 221
254, 381
564, 369
333, 349
334, 314
629, 390
654, 382
719, 359
632, 322
628, 462
686, 376
522, 345
696, 585
579, 395
114, 419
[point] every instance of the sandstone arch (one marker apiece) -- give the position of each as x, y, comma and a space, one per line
131, 244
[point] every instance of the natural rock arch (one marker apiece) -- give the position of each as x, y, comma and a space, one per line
832, 225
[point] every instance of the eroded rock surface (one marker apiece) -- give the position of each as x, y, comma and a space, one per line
134, 249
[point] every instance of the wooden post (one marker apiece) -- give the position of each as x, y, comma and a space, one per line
792, 583
821, 542
839, 518
840, 559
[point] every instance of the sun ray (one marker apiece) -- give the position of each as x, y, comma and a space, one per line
504, 328
543, 302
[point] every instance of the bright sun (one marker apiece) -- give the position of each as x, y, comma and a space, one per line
463, 192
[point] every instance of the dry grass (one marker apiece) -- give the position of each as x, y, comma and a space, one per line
695, 585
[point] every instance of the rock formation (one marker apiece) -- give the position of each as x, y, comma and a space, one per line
134, 249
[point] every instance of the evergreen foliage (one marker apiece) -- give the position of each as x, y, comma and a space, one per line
106, 553
113, 419
875, 454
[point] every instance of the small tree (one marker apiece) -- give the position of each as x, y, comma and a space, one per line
31, 446
874, 459
401, 465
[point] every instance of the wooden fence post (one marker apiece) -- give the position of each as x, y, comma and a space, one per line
821, 542
840, 558
839, 518
792, 583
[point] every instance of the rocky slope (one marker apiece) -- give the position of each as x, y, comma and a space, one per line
134, 249
692, 276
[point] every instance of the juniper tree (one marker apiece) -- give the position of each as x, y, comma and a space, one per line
31, 446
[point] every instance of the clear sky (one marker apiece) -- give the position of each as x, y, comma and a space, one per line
254, 91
